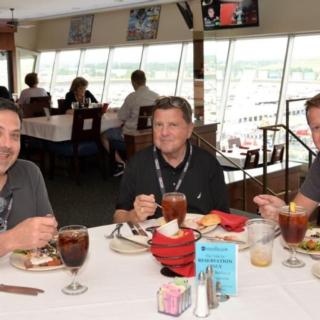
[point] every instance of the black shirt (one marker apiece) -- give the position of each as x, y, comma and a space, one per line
70, 97
203, 183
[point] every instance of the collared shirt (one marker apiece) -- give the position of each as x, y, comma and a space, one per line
203, 183
30, 197
129, 111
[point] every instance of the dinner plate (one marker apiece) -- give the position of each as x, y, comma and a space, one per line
18, 259
309, 235
229, 236
190, 221
123, 246
316, 269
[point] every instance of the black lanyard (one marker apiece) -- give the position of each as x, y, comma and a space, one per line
159, 174
5, 212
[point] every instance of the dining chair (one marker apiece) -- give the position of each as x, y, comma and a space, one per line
277, 153
144, 119
234, 141
252, 159
85, 141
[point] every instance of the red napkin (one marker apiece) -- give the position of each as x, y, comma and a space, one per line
231, 222
179, 259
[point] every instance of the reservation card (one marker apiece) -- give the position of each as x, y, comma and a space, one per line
224, 259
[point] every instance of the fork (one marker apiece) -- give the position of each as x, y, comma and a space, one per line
117, 228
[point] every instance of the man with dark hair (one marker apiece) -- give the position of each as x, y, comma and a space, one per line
4, 93
129, 114
309, 194
26, 216
171, 164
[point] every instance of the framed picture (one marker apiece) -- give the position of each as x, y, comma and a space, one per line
143, 23
80, 29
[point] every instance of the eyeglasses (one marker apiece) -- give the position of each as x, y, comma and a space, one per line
173, 101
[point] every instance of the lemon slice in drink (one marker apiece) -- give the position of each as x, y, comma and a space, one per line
292, 207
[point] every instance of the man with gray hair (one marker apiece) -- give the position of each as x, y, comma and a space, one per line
171, 164
26, 216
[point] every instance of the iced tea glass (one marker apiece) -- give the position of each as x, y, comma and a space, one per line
73, 245
174, 206
293, 227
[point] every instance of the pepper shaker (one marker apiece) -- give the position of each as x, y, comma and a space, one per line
211, 288
201, 309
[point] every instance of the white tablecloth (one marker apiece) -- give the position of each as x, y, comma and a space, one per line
59, 127
125, 286
239, 157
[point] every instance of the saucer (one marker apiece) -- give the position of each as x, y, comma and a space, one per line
126, 247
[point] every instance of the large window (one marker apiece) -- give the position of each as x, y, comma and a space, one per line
4, 69
45, 68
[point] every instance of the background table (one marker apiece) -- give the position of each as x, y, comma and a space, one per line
59, 127
125, 286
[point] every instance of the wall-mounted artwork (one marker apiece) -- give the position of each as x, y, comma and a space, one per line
143, 23
80, 29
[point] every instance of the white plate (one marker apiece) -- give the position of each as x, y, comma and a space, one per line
123, 246
316, 269
190, 221
18, 259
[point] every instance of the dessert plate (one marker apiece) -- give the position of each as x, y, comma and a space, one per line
126, 247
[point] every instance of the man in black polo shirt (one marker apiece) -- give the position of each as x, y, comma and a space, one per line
181, 167
26, 216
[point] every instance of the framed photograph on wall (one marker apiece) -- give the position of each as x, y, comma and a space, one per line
80, 29
143, 23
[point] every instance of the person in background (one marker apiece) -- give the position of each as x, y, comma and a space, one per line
78, 93
174, 161
4, 93
309, 194
31, 80
26, 215
129, 114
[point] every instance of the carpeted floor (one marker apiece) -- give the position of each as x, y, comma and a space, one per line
91, 204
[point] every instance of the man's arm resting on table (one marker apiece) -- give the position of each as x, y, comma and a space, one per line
122, 215
305, 202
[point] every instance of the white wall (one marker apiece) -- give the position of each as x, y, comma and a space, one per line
109, 28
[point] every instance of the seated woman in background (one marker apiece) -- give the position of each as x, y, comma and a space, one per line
78, 93
31, 79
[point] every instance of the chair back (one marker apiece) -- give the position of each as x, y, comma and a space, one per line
233, 141
86, 124
252, 159
277, 153
144, 119
44, 101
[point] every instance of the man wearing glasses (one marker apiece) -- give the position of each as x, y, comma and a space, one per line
171, 164
24, 201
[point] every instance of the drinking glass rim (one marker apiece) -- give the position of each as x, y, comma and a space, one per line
73, 227
174, 193
299, 210
262, 221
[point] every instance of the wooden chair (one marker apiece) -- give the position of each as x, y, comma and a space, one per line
85, 141
252, 159
45, 101
277, 153
144, 119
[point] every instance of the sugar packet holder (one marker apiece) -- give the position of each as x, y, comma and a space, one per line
174, 298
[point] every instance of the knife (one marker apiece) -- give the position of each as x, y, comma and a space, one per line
20, 290
224, 240
140, 230
131, 226
119, 236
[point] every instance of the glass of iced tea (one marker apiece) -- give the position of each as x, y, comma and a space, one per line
293, 225
73, 245
174, 206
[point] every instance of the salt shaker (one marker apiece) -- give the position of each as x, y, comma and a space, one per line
201, 309
211, 289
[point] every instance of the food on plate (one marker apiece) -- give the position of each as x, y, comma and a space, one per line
43, 257
209, 220
310, 245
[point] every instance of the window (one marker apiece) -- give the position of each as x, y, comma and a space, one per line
45, 67
94, 69
4, 69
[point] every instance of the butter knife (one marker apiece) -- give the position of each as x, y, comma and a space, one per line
131, 226
212, 238
140, 230
20, 290
119, 236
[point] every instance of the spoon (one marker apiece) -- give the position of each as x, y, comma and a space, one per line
117, 228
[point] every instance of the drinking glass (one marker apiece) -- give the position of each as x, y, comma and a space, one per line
73, 244
293, 227
174, 206
75, 105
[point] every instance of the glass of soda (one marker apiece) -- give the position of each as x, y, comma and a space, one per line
174, 206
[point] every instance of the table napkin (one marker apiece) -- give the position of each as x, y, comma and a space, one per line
179, 259
231, 222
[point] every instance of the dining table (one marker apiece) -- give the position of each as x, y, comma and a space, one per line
124, 286
58, 128
238, 156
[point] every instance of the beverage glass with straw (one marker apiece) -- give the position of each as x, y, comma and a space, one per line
293, 221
